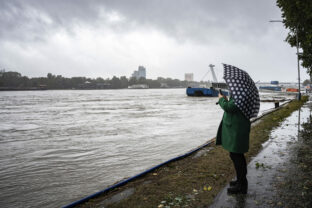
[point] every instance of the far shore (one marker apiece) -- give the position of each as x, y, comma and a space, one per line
40, 89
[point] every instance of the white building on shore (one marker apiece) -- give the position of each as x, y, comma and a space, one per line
189, 77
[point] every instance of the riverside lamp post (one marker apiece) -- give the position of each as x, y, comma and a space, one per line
298, 65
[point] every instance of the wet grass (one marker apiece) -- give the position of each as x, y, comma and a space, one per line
193, 181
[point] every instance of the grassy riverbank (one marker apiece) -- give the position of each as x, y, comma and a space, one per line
193, 181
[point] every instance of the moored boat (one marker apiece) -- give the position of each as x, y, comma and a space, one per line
273, 87
138, 86
292, 90
207, 91
211, 89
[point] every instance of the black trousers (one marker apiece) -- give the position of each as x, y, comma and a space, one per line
240, 166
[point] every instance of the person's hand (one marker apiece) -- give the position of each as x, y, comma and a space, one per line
220, 96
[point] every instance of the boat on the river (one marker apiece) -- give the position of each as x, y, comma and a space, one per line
210, 89
292, 90
270, 88
138, 86
273, 87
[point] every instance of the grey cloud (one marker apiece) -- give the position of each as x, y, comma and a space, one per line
34, 19
200, 20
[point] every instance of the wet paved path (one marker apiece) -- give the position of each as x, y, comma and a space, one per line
269, 167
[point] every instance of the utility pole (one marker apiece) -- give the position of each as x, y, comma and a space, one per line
297, 44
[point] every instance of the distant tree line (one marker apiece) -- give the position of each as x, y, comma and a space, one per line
14, 80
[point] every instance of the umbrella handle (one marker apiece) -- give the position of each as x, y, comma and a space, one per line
220, 92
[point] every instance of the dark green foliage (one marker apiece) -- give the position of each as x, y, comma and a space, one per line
11, 79
297, 17
306, 82
124, 82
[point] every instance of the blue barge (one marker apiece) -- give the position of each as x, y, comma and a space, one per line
210, 89
271, 88
200, 91
274, 86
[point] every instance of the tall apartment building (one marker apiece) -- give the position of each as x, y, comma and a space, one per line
141, 72
189, 77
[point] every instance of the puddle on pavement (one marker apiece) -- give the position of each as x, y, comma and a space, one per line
202, 152
268, 166
117, 197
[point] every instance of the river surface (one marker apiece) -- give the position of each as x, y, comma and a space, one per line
59, 146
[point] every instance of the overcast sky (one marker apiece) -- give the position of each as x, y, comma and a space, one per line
103, 38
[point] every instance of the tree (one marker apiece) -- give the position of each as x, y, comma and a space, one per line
115, 82
77, 82
142, 80
297, 17
24, 81
306, 82
124, 82
50, 76
133, 81
99, 80
153, 83
10, 79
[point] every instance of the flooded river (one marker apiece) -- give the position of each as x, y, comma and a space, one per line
59, 146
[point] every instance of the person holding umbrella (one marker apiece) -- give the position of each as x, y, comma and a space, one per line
234, 129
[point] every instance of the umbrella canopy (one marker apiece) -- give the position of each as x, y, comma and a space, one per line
243, 90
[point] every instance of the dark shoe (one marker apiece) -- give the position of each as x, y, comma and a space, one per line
233, 183
238, 189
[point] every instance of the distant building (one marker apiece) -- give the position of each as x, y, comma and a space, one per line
135, 74
189, 77
141, 72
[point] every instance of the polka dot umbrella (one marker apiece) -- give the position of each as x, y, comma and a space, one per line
243, 90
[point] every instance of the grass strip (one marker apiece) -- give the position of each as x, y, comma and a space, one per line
193, 181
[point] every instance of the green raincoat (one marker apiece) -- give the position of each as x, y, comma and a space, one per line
234, 129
